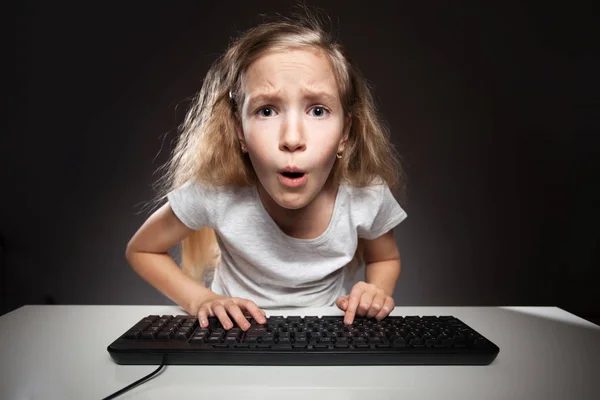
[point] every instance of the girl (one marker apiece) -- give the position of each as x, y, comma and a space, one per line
280, 184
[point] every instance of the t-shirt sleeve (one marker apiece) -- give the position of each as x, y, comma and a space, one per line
194, 204
387, 214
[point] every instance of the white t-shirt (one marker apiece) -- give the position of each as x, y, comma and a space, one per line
261, 263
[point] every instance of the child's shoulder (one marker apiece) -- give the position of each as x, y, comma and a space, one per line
372, 191
196, 188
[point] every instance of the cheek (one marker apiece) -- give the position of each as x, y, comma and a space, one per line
325, 154
258, 144
259, 134
326, 142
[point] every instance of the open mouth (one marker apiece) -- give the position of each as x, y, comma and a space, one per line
292, 178
293, 175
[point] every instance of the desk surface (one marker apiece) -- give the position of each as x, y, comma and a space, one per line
59, 352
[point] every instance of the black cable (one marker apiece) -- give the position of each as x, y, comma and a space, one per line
138, 382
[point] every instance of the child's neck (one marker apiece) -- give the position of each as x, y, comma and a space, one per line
308, 222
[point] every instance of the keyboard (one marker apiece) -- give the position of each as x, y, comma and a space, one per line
307, 340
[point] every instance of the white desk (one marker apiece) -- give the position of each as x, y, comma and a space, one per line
59, 352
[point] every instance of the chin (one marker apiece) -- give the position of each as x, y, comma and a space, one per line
294, 202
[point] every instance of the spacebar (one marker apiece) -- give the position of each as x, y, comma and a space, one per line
281, 347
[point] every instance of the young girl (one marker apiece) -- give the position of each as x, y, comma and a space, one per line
280, 183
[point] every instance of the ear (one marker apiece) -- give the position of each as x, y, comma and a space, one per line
347, 126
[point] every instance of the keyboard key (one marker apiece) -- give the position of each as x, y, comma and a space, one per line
143, 325
165, 335
203, 331
181, 335
257, 331
281, 346
197, 340
133, 334
149, 335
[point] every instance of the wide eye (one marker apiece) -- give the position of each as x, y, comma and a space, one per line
269, 112
319, 111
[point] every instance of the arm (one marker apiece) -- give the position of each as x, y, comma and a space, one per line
147, 253
382, 260
373, 298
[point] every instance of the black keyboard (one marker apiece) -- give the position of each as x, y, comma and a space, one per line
294, 340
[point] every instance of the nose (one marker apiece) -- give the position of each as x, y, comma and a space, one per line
292, 135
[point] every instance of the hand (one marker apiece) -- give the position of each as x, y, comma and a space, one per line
365, 299
223, 307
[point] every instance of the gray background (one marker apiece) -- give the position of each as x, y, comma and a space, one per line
493, 108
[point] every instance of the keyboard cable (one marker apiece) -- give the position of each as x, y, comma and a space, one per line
138, 382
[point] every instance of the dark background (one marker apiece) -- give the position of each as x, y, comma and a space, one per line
494, 109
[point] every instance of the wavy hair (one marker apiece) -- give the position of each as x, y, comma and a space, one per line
208, 148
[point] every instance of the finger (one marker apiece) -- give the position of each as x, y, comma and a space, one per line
254, 311
221, 314
342, 302
365, 303
387, 308
236, 313
353, 301
203, 316
376, 304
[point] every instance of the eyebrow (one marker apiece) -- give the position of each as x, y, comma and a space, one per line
308, 94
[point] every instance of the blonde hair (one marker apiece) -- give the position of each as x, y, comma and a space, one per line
208, 148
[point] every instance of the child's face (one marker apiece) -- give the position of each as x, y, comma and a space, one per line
292, 117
